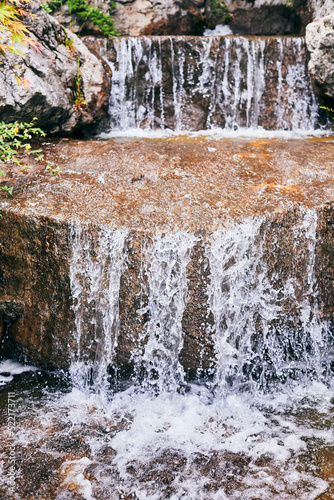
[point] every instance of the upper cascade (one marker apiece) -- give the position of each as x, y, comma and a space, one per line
204, 83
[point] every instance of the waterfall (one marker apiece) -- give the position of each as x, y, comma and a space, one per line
242, 300
95, 272
267, 324
197, 83
167, 257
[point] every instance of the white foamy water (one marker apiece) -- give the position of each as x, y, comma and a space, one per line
217, 133
167, 257
251, 307
219, 30
180, 445
267, 325
9, 368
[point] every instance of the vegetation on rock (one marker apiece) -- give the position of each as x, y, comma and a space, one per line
14, 136
14, 140
12, 29
81, 8
220, 9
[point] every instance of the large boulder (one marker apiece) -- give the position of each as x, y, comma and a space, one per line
320, 8
320, 44
53, 75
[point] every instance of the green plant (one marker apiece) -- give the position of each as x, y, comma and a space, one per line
220, 9
6, 188
81, 8
68, 43
327, 109
47, 8
79, 100
14, 137
11, 26
52, 169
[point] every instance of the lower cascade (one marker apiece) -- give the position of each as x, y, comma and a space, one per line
251, 421
266, 326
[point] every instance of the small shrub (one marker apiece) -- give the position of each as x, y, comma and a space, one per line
14, 137
220, 9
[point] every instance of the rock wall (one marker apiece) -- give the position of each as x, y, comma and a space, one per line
181, 17
51, 74
288, 268
320, 44
260, 17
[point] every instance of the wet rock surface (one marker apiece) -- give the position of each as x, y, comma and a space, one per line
51, 73
180, 183
149, 187
198, 83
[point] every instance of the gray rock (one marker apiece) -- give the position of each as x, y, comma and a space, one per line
51, 75
320, 43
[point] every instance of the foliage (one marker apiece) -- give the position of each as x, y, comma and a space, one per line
220, 9
47, 8
12, 28
79, 101
327, 109
81, 8
53, 170
330, 110
14, 137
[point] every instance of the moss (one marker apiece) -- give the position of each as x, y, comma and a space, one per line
219, 9
81, 8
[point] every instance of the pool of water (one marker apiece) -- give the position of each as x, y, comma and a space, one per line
134, 443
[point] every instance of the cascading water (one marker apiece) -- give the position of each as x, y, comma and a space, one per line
196, 83
167, 258
96, 269
257, 340
255, 429
250, 416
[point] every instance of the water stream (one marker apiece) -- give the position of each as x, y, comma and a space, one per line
254, 419
228, 82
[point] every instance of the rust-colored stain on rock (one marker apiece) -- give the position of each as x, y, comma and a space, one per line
182, 183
